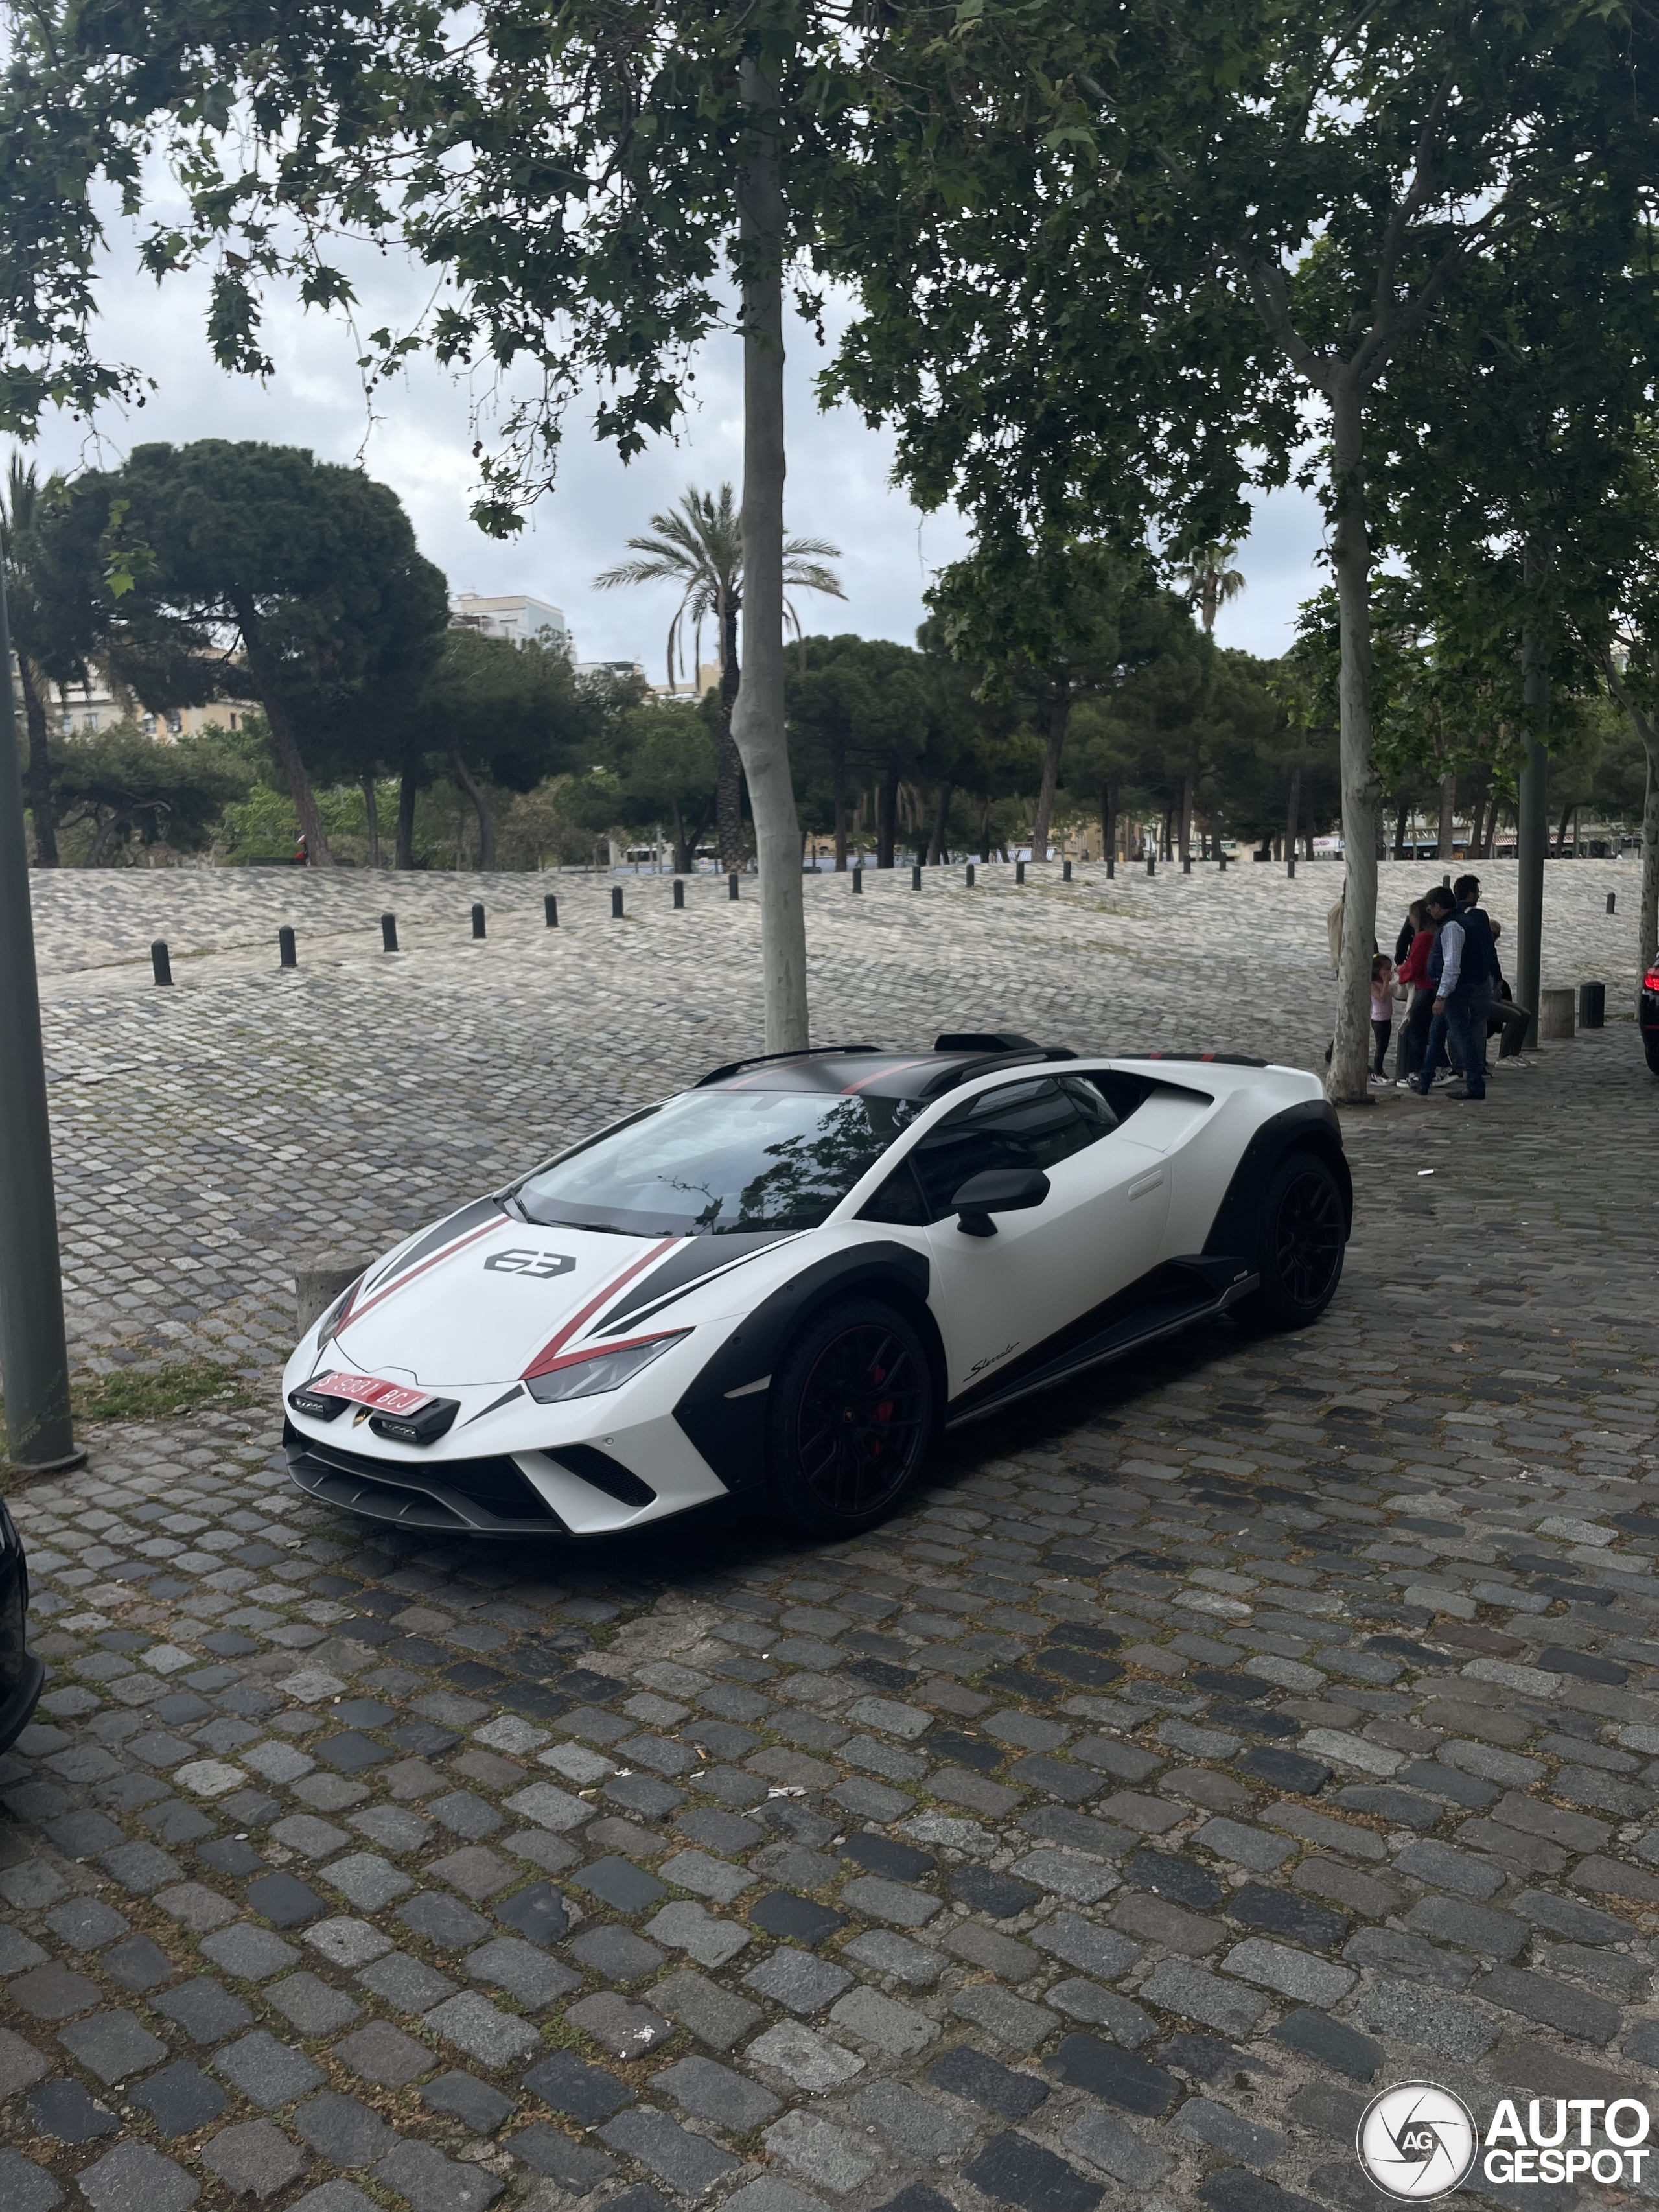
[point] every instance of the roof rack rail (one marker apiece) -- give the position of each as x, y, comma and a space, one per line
1218, 1058
964, 1070
760, 1059
985, 1040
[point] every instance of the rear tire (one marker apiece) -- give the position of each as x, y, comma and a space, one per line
850, 1420
1300, 1234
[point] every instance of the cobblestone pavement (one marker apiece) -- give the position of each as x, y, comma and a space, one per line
1210, 1744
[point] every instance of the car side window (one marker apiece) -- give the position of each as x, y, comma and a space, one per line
1033, 1124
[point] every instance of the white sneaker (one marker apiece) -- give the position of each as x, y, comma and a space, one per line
1379, 1081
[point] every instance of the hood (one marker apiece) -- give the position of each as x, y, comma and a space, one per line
482, 1297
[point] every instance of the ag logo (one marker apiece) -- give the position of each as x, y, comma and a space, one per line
1417, 2142
539, 1267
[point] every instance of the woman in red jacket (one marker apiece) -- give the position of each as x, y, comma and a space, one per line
1414, 971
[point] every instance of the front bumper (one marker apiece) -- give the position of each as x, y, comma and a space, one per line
490, 1495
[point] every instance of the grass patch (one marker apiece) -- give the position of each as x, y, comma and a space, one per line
152, 1394
155, 1393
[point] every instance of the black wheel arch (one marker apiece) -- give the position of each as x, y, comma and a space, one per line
730, 1432
1309, 1125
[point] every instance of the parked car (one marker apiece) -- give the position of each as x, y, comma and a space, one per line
20, 1673
1647, 1014
795, 1272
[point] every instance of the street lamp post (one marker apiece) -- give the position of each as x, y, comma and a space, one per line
34, 1356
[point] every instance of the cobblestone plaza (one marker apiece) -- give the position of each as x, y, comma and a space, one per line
1210, 1745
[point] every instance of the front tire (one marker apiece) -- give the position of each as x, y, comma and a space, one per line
850, 1420
1300, 1234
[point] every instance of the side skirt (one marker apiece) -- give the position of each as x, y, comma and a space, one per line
1172, 1298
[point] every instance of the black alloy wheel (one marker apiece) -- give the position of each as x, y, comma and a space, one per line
851, 1419
1301, 1238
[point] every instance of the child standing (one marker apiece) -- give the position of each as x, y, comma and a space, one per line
1381, 1014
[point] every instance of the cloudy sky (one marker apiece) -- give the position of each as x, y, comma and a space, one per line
421, 445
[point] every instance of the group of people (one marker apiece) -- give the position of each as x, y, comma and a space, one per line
1446, 970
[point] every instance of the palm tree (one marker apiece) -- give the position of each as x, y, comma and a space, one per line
1210, 584
20, 516
699, 547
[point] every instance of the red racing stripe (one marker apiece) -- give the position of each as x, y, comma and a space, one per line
548, 1356
484, 1229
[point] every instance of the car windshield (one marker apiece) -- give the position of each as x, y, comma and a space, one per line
711, 1163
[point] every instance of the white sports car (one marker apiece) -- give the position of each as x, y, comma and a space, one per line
792, 1276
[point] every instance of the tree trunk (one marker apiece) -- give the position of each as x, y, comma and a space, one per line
887, 816
486, 819
299, 783
985, 831
941, 818
728, 793
1108, 823
1532, 824
402, 855
1060, 713
1294, 807
757, 721
838, 779
372, 815
1561, 831
1351, 559
37, 778
1445, 832
1400, 813
1647, 928
1189, 799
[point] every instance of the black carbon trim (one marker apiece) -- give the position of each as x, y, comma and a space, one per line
731, 1433
445, 1233
690, 1264
492, 1494
598, 1469
1166, 1297
1311, 1123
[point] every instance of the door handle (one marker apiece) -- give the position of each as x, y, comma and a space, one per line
1146, 1183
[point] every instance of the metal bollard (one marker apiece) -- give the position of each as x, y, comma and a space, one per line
858, 879
915, 879
679, 892
286, 955
550, 911
1151, 864
732, 887
615, 902
159, 962
1111, 867
1445, 882
388, 932
1020, 872
1222, 857
1611, 896
970, 875
1290, 866
1592, 1005
1186, 865
477, 921
1065, 873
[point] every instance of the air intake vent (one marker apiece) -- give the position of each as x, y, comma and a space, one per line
590, 1464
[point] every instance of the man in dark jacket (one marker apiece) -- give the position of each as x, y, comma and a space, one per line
1479, 960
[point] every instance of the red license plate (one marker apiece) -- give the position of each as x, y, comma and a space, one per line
385, 1397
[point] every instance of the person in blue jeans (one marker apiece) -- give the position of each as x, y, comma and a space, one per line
1460, 1004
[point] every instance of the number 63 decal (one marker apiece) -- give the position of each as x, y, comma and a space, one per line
539, 1267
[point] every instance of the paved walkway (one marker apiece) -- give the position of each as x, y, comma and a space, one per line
1211, 1745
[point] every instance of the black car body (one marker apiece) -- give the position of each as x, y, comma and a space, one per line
1647, 1013
20, 1673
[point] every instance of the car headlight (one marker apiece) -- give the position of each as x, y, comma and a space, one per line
585, 1374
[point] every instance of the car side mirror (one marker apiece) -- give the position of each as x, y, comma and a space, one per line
998, 1190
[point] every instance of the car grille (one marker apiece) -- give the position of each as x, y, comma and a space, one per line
490, 1494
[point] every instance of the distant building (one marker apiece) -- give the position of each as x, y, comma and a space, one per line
83, 709
609, 668
513, 616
